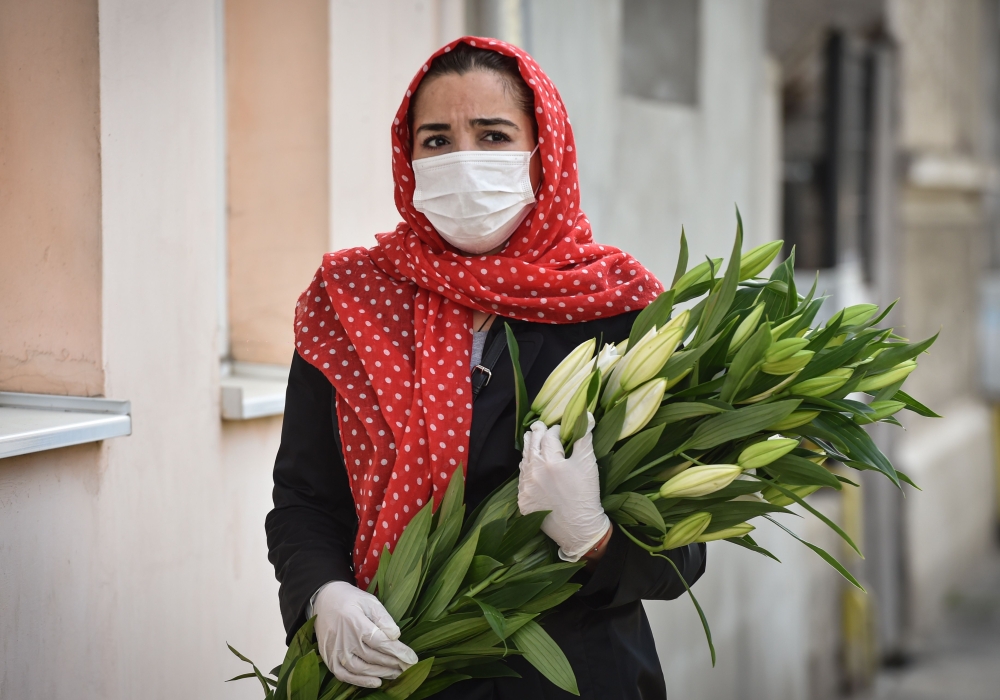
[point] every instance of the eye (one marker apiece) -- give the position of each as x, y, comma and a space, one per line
497, 137
435, 142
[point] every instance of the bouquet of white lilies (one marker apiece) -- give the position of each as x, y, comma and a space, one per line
705, 420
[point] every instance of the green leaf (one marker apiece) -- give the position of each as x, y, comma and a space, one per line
490, 536
728, 513
545, 655
449, 632
721, 298
241, 677
518, 533
409, 680
824, 362
682, 259
500, 503
695, 290
697, 606
551, 600
798, 471
747, 359
676, 412
853, 437
608, 429
442, 541
513, 597
481, 567
442, 589
913, 405
494, 617
822, 553
829, 332
491, 669
826, 521
402, 575
625, 459
751, 545
643, 510
303, 682
739, 423
653, 316
383, 564
520, 390
433, 686
300, 644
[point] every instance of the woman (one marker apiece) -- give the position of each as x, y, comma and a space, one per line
388, 393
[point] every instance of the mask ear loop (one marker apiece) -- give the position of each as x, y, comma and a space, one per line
539, 188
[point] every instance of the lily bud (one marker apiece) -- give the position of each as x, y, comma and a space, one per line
746, 328
697, 274
837, 341
859, 313
646, 359
891, 376
777, 498
608, 357
641, 405
687, 530
778, 331
763, 453
788, 365
784, 349
884, 409
576, 407
571, 366
793, 420
824, 384
725, 534
553, 412
700, 481
756, 259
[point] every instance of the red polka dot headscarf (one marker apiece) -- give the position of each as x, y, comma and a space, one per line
391, 326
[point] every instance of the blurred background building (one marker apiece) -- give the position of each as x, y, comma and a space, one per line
171, 172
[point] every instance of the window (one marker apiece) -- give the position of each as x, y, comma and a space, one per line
660, 46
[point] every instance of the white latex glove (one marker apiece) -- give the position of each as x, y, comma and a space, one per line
569, 487
357, 637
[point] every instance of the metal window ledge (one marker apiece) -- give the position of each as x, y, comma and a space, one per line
251, 390
36, 422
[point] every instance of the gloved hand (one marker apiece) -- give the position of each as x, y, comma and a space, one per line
357, 637
569, 487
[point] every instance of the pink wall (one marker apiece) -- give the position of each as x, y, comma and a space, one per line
50, 198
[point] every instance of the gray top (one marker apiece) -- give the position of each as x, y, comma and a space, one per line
478, 345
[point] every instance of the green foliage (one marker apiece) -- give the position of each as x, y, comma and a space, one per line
466, 588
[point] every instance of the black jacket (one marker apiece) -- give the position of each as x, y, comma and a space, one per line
603, 629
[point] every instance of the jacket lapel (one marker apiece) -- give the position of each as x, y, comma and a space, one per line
496, 396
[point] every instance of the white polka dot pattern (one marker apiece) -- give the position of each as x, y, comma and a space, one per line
391, 327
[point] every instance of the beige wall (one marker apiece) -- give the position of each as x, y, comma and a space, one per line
278, 164
50, 210
376, 48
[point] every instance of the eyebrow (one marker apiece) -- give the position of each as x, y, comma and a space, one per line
482, 121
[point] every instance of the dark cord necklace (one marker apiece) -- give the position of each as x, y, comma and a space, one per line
483, 324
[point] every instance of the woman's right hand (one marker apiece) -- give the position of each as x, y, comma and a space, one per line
357, 638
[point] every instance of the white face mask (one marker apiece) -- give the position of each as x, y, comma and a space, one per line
475, 199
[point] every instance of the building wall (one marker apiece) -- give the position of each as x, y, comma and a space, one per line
944, 108
50, 216
277, 166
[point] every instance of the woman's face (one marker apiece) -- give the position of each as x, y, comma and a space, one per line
471, 112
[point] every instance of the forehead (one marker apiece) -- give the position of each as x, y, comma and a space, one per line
475, 91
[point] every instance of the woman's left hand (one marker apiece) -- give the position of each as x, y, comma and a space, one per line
568, 486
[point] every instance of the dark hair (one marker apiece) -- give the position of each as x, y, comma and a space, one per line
464, 59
